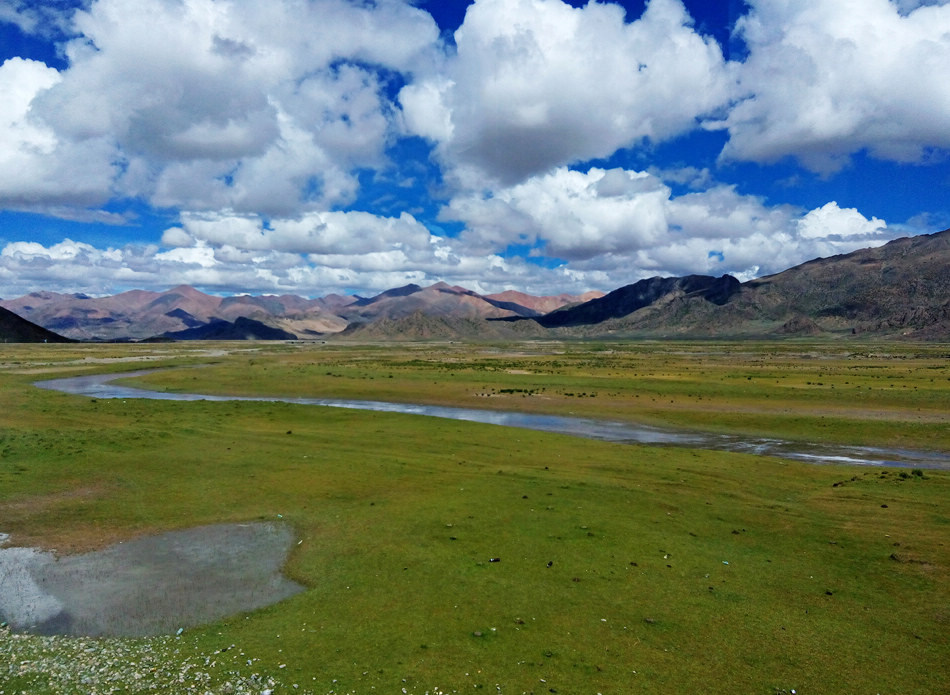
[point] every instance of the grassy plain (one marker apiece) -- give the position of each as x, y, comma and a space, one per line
618, 568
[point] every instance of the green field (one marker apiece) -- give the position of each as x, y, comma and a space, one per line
620, 569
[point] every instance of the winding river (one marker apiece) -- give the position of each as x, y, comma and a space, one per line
103, 386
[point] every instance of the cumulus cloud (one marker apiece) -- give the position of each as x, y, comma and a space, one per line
611, 227
824, 80
621, 225
38, 168
326, 233
262, 123
211, 104
832, 223
536, 84
242, 253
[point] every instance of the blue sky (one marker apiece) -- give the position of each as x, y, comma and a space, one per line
318, 146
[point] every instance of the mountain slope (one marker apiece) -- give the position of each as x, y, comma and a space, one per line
542, 305
631, 298
140, 314
902, 286
900, 289
15, 329
240, 329
439, 299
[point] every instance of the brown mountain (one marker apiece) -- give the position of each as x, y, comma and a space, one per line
184, 313
543, 305
140, 314
440, 299
642, 294
443, 311
900, 289
15, 329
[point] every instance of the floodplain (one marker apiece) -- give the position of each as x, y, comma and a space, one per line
443, 556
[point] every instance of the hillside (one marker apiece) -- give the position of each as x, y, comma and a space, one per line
900, 289
14, 329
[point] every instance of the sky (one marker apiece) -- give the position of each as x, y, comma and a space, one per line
351, 146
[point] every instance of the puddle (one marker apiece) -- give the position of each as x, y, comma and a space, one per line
154, 585
101, 386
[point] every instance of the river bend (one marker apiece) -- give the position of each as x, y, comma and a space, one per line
102, 386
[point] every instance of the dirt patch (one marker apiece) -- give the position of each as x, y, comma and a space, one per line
149, 586
21, 517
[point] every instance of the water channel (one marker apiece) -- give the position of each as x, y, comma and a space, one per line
103, 386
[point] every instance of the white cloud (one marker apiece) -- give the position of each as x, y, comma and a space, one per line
210, 104
824, 80
833, 223
536, 84
326, 233
33, 18
38, 169
259, 121
575, 215
620, 226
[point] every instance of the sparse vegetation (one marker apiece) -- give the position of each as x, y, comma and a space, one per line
441, 556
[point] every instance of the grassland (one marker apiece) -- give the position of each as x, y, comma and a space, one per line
618, 569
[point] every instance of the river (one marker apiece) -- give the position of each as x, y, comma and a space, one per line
103, 386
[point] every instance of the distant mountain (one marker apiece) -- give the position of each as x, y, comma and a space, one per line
139, 314
15, 329
900, 289
440, 299
644, 293
240, 329
542, 305
184, 313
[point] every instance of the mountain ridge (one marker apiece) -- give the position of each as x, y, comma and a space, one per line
898, 289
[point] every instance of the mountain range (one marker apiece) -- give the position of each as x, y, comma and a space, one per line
900, 289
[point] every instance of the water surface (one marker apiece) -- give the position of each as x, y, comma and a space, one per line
102, 386
148, 586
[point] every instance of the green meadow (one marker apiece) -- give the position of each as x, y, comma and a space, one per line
443, 556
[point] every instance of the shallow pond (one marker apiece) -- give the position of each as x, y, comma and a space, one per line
148, 586
102, 386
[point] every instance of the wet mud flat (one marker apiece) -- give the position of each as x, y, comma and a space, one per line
155, 585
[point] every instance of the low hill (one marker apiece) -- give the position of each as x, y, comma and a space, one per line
632, 298
240, 329
15, 329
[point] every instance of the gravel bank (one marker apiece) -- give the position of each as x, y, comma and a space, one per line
84, 666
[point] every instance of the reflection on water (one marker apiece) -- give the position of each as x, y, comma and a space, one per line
148, 586
101, 386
